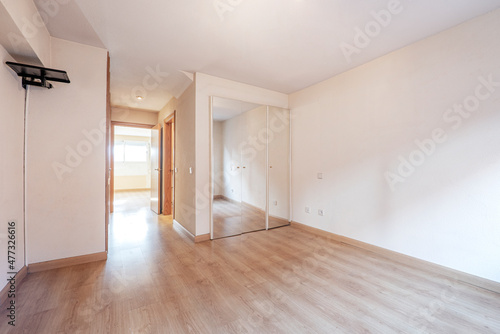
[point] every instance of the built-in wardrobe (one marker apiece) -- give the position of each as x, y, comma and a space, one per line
250, 167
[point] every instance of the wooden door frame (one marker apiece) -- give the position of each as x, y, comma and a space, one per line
109, 152
112, 158
168, 167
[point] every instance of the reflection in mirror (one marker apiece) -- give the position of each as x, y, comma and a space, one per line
238, 167
252, 146
279, 166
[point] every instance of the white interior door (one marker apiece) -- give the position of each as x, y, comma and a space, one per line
156, 169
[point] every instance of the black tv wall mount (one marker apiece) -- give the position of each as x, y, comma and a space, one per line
38, 76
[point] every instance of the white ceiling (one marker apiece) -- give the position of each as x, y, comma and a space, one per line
282, 45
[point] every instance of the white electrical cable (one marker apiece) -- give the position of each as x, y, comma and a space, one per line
25, 141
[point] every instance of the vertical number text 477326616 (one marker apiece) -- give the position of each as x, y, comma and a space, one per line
11, 259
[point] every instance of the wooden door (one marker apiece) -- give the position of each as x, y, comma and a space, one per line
156, 169
168, 166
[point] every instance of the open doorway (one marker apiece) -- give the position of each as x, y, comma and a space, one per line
130, 167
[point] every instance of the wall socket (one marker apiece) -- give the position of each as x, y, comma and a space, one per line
320, 176
275, 203
320, 212
308, 209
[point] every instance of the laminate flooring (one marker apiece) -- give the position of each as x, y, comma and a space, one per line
232, 218
285, 280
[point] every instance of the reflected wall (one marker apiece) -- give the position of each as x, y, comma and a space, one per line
250, 167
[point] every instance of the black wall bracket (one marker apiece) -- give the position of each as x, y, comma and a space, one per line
38, 76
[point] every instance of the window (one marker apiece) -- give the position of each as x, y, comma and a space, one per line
131, 151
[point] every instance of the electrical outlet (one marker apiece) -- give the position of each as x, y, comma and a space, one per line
320, 212
320, 176
275, 203
308, 209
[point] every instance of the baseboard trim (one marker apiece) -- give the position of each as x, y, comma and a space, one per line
195, 239
184, 230
20, 276
477, 281
229, 200
67, 262
202, 238
125, 190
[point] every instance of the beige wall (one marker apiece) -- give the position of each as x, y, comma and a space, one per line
185, 199
132, 182
401, 169
167, 110
66, 158
22, 35
217, 158
244, 168
11, 164
279, 159
137, 116
185, 209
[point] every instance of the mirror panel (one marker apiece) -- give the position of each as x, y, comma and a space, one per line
253, 157
226, 209
279, 166
235, 163
250, 167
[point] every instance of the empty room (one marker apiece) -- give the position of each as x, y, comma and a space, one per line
232, 166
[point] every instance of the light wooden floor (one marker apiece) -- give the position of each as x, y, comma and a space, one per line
131, 200
232, 218
284, 280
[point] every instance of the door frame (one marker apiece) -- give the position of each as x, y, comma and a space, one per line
112, 157
168, 152
109, 152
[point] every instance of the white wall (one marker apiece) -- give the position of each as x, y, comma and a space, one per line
356, 127
66, 191
24, 34
248, 182
207, 86
11, 164
137, 116
218, 164
279, 159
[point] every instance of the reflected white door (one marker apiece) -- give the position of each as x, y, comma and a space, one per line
156, 169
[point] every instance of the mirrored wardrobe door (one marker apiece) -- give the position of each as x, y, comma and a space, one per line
253, 162
226, 176
234, 161
279, 166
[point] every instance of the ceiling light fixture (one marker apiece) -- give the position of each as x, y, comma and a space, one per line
139, 98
